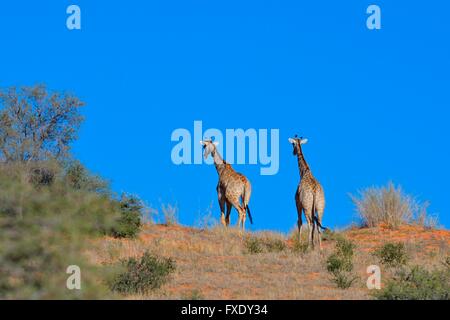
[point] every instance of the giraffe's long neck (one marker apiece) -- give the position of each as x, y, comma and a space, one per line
302, 164
218, 162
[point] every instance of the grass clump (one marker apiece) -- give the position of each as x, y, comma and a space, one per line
417, 283
392, 254
299, 246
329, 235
340, 263
274, 245
142, 275
446, 262
170, 214
255, 245
390, 206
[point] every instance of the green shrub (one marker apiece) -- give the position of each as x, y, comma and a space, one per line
344, 248
417, 283
44, 229
129, 223
340, 263
392, 254
142, 275
336, 263
131, 208
79, 178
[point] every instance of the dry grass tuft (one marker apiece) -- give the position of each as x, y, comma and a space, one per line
167, 214
391, 207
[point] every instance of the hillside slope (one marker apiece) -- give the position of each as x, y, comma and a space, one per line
215, 263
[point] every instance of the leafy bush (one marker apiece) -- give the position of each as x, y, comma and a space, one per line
44, 229
417, 283
340, 263
129, 223
49, 211
390, 206
79, 178
142, 275
256, 245
392, 254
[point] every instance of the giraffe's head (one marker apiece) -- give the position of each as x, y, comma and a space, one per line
296, 143
209, 147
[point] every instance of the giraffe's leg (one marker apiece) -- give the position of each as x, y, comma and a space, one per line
319, 205
221, 198
244, 216
244, 213
235, 202
319, 236
299, 221
308, 215
319, 231
227, 217
313, 231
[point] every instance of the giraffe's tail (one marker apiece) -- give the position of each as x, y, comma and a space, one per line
246, 199
319, 224
249, 214
316, 219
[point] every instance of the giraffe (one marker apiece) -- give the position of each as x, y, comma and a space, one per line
309, 196
231, 188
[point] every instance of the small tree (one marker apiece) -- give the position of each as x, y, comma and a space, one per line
129, 223
37, 124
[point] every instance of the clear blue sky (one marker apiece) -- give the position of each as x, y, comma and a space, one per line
373, 104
